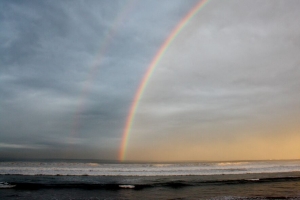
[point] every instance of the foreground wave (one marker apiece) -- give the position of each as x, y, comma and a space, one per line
156, 183
221, 187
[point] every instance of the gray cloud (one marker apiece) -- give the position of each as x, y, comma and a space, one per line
69, 71
59, 90
233, 71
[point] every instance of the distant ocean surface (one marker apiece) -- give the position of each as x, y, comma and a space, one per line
199, 180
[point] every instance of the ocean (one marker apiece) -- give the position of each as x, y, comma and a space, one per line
81, 179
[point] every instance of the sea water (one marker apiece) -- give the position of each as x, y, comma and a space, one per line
146, 169
193, 180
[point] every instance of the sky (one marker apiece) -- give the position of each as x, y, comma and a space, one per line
226, 88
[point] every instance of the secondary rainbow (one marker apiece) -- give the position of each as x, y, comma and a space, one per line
96, 64
149, 72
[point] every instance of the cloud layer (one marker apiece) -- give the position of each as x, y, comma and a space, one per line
69, 71
229, 78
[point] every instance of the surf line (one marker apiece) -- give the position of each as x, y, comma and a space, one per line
108, 38
149, 72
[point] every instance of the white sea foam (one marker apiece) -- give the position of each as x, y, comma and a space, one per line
176, 169
4, 185
232, 163
127, 186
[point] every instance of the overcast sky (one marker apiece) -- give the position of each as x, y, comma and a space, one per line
227, 88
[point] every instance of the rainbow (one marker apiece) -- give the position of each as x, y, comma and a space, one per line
149, 72
93, 69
